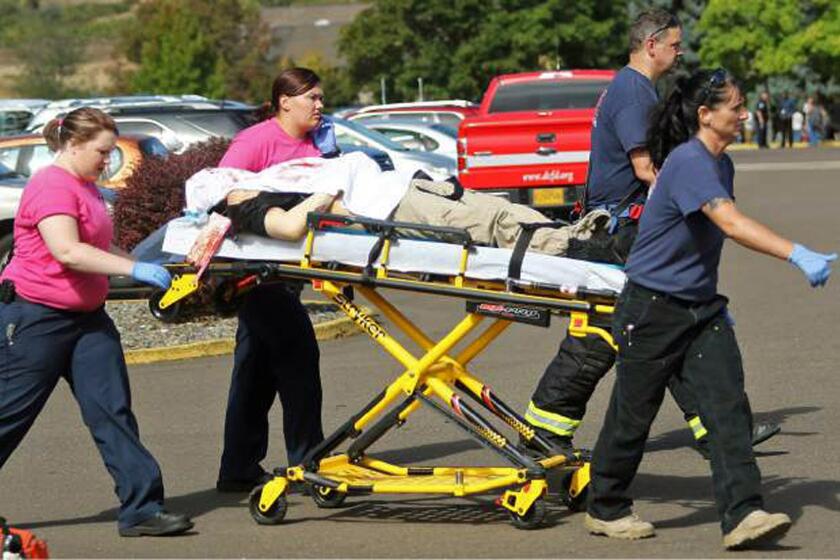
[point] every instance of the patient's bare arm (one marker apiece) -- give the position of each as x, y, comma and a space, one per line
290, 225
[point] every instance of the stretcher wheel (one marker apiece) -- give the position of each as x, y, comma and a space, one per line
275, 513
574, 503
531, 519
167, 315
326, 497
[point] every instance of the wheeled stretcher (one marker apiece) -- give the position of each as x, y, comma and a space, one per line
499, 284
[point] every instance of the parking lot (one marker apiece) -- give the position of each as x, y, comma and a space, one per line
56, 485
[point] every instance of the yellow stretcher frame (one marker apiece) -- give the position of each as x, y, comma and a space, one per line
434, 377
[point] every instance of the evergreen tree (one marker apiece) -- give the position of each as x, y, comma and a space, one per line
218, 49
458, 46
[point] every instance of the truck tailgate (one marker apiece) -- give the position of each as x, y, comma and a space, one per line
526, 150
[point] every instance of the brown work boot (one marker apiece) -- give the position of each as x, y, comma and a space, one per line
629, 527
758, 527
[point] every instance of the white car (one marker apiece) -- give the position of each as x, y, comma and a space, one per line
405, 160
435, 138
11, 189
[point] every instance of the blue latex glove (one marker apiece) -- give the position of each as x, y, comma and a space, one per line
324, 136
815, 266
152, 274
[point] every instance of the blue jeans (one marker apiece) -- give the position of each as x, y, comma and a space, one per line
39, 345
660, 337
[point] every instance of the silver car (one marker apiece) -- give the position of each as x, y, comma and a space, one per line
405, 160
432, 137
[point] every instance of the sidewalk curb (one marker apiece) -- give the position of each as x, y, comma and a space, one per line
328, 330
774, 146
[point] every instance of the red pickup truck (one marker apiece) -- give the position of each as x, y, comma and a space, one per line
530, 138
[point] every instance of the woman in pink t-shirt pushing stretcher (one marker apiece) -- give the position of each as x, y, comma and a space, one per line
53, 322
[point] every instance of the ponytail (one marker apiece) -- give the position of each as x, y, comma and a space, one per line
667, 125
674, 120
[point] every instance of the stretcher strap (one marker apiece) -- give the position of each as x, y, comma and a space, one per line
522, 243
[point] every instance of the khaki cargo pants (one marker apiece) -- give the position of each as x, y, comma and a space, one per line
490, 220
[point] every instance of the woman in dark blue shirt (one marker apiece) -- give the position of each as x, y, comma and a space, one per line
670, 320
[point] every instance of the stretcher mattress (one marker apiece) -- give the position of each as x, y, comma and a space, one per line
406, 255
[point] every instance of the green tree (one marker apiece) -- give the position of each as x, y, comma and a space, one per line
458, 46
217, 48
49, 49
760, 39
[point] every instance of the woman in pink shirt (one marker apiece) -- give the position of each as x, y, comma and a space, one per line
53, 323
276, 352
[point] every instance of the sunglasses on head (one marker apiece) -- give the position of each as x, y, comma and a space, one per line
673, 22
716, 80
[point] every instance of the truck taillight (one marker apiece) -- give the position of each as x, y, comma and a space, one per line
462, 154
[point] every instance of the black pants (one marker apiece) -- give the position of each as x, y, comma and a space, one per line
559, 401
39, 346
761, 135
276, 355
660, 338
787, 132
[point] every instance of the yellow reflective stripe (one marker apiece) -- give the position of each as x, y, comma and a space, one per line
697, 427
554, 423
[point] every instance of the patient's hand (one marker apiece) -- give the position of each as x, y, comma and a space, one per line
238, 196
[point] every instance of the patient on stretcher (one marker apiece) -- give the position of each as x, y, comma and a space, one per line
276, 201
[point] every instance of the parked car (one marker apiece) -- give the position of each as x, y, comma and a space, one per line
11, 189
16, 114
177, 121
435, 138
450, 112
350, 133
28, 153
531, 137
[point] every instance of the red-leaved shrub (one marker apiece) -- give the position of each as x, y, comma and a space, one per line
154, 194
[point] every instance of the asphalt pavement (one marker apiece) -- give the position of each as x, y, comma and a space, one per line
56, 485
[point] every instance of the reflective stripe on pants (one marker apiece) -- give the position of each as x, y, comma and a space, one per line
554, 423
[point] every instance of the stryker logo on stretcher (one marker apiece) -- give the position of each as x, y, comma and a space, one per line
365, 321
550, 176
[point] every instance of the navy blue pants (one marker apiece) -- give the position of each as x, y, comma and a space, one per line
38, 345
276, 355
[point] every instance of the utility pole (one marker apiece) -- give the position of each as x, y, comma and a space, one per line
382, 90
420, 88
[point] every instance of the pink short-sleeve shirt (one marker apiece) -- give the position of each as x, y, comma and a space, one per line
266, 144
37, 275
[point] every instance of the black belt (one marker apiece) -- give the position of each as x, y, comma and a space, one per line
687, 303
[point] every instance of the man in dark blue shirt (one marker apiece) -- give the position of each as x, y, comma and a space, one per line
620, 169
786, 111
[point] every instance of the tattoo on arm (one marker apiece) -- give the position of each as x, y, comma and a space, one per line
716, 203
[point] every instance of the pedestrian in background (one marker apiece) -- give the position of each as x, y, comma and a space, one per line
797, 123
53, 321
816, 121
762, 118
787, 108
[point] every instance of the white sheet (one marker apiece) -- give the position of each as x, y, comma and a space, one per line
407, 255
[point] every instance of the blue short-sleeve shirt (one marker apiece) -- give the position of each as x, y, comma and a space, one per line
619, 127
677, 250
